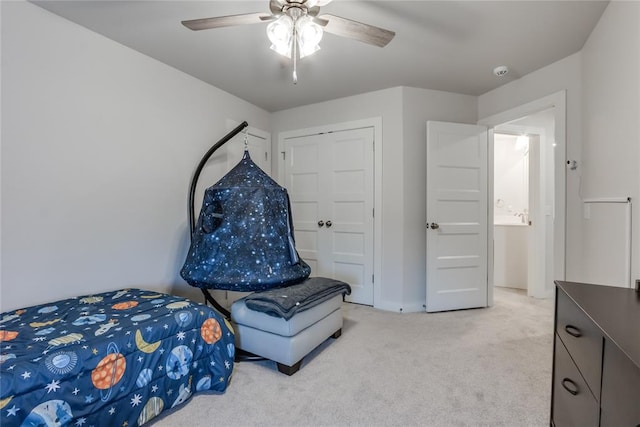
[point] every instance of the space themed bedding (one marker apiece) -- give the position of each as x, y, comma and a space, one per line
112, 359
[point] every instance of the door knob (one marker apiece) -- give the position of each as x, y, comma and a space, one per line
329, 224
320, 223
434, 226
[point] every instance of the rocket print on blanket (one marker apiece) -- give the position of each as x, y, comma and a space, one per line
113, 359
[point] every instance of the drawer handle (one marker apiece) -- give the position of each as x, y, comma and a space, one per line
570, 386
573, 331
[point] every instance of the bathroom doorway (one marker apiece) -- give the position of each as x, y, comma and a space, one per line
513, 159
524, 238
546, 117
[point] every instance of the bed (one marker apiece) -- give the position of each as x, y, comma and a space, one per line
118, 358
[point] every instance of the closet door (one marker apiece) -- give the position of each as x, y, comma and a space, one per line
329, 178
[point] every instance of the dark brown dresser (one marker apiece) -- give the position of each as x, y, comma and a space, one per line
596, 356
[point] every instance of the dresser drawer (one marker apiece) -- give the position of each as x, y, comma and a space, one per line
573, 403
620, 389
582, 338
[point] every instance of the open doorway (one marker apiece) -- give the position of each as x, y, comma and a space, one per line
543, 238
511, 204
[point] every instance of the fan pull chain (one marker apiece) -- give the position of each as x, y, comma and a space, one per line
295, 55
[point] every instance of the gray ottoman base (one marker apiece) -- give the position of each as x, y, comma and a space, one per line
286, 341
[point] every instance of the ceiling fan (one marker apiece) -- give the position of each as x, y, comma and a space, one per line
295, 27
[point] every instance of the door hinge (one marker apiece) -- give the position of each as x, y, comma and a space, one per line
373, 212
266, 156
373, 278
284, 155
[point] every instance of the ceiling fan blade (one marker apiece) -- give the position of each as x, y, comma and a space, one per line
226, 21
357, 30
276, 6
319, 21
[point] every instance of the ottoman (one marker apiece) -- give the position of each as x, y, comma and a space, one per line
286, 341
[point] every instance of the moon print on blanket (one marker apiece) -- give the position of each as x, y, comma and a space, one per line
243, 240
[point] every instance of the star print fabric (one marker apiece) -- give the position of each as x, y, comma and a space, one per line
243, 240
112, 359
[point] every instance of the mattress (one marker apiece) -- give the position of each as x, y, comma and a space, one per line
111, 359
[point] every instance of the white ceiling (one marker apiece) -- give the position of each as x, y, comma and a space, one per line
443, 45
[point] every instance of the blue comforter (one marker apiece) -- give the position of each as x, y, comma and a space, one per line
112, 359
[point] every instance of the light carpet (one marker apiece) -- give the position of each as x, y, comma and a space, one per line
481, 367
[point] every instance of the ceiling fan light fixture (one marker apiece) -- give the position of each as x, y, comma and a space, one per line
280, 33
295, 27
308, 35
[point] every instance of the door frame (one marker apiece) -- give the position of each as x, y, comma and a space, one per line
557, 101
376, 124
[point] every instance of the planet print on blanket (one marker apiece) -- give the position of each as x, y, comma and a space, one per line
140, 317
210, 331
177, 305
109, 371
231, 350
8, 335
48, 309
145, 377
5, 357
204, 383
178, 362
151, 409
183, 318
50, 413
124, 305
65, 339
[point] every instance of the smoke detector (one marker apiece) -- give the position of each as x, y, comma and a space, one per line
501, 70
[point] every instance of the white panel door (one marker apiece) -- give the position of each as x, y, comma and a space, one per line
456, 216
329, 178
304, 183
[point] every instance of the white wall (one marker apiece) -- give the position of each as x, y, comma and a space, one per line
404, 112
611, 115
99, 144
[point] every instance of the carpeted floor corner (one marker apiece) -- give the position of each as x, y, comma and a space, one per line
482, 367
